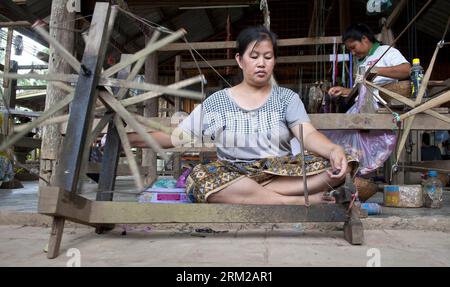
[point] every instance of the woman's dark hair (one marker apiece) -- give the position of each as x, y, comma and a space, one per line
258, 34
357, 31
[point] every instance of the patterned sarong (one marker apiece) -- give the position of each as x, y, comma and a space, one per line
206, 179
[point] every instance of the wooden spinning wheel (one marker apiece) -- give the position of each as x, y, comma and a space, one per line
83, 97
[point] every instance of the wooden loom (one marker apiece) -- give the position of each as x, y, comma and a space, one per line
62, 201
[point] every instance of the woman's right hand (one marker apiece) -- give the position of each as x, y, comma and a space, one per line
339, 91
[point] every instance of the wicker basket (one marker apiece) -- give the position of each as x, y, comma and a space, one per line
366, 188
401, 87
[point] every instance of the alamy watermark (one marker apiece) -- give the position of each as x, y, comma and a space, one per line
75, 257
374, 255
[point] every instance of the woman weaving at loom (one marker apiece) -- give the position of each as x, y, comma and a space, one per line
372, 148
361, 41
251, 125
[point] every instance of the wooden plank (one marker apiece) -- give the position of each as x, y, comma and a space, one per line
15, 24
151, 87
110, 83
436, 164
358, 121
128, 213
280, 60
122, 170
75, 207
372, 122
232, 44
56, 202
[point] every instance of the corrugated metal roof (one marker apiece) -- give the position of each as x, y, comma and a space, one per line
435, 19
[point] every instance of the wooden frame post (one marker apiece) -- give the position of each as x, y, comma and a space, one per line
111, 155
80, 118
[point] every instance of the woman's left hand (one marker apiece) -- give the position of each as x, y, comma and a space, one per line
338, 162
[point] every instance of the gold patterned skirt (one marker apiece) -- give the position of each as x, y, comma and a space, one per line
206, 179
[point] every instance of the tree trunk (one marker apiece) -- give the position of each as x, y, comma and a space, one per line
61, 24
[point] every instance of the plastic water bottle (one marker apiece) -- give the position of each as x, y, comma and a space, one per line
416, 76
432, 191
372, 208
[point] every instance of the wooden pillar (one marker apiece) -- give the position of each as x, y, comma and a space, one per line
150, 110
9, 39
176, 167
9, 85
10, 98
61, 23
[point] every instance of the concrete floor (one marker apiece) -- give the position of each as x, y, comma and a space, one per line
403, 237
23, 246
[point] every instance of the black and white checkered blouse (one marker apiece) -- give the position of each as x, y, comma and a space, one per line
246, 135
